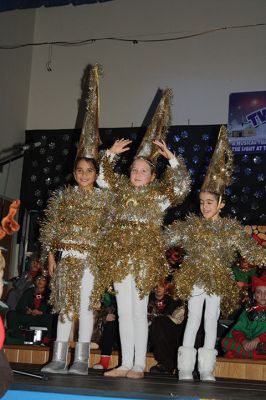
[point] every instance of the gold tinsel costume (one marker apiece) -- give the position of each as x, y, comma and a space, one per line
211, 247
74, 222
134, 242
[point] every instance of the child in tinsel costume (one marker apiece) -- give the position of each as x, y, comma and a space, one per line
132, 255
247, 338
73, 226
211, 244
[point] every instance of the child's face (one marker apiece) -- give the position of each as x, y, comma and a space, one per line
141, 173
159, 291
85, 174
260, 295
209, 206
41, 285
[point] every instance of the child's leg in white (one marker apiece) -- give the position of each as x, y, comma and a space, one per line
207, 354
212, 312
125, 314
63, 329
82, 349
195, 307
86, 314
140, 328
187, 354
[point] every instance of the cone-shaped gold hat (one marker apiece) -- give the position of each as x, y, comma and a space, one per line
89, 138
220, 170
157, 128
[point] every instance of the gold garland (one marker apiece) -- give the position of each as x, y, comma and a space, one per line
65, 287
211, 247
74, 221
134, 242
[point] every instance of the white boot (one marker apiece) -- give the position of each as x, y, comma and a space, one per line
58, 365
81, 359
206, 364
186, 362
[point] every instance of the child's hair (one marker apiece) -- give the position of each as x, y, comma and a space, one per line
148, 161
89, 160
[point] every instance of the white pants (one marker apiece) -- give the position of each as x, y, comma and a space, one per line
133, 323
85, 315
212, 312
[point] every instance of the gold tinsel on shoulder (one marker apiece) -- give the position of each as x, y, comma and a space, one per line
74, 221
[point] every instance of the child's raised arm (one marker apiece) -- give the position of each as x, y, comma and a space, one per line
107, 177
176, 181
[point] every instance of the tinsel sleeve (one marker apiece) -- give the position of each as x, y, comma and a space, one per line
48, 229
107, 176
176, 182
173, 234
247, 246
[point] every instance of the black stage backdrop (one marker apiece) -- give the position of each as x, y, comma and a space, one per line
49, 166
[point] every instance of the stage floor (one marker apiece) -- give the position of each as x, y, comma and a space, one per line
95, 386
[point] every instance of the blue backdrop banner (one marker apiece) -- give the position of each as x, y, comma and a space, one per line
247, 122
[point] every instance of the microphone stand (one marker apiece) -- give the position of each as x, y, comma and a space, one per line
14, 155
37, 376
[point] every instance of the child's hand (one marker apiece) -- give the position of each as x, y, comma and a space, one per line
110, 317
163, 150
249, 345
51, 264
36, 312
120, 146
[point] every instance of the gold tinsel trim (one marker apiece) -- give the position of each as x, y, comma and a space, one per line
211, 248
134, 242
74, 221
176, 183
65, 287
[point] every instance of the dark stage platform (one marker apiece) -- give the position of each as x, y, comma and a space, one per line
96, 387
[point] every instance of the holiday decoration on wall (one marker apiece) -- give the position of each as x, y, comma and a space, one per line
49, 166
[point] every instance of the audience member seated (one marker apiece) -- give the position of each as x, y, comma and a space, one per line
22, 283
247, 338
108, 326
174, 256
32, 310
166, 317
